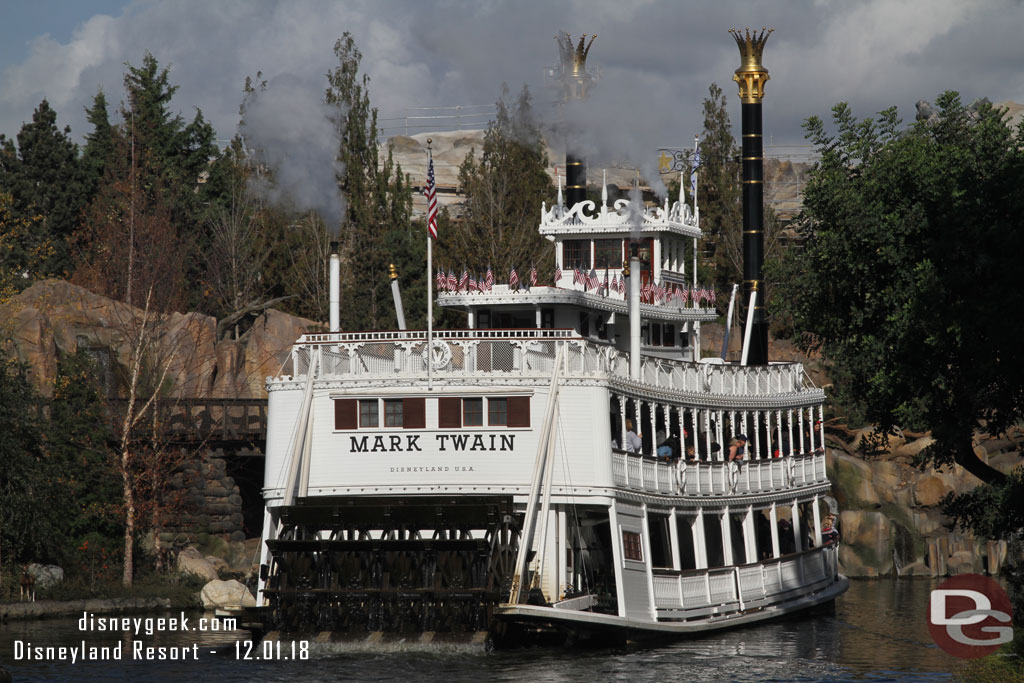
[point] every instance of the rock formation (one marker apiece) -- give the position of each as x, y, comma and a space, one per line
54, 315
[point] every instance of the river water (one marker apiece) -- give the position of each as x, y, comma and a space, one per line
876, 633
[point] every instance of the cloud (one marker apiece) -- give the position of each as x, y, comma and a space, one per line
656, 57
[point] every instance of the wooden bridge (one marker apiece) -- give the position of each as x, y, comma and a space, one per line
214, 422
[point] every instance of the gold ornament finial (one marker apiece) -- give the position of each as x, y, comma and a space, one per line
752, 75
573, 63
392, 273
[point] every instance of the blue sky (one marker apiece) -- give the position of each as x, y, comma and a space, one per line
657, 57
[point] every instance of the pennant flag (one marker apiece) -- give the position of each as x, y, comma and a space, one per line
431, 192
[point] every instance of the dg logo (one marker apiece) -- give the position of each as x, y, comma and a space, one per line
969, 616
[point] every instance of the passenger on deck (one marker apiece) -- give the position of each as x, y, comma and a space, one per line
670, 448
829, 532
737, 447
787, 544
633, 443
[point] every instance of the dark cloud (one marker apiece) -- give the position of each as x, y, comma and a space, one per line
656, 57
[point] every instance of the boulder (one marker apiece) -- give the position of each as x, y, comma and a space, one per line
270, 340
963, 562
911, 449
191, 561
917, 569
219, 564
929, 490
230, 593
46, 575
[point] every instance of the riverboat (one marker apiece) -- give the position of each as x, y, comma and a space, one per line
560, 467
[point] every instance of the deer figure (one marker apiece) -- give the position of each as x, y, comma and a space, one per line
28, 585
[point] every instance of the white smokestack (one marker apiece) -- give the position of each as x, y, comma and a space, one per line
335, 291
634, 311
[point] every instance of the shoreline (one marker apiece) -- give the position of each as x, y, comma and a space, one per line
52, 609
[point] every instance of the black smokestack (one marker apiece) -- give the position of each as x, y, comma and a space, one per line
751, 77
575, 82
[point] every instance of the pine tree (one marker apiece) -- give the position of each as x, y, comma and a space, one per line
504, 191
42, 174
99, 145
718, 192
378, 230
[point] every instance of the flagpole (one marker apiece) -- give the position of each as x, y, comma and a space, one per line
430, 285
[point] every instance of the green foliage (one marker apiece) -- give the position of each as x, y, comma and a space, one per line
43, 176
78, 435
906, 279
31, 524
378, 229
503, 194
718, 191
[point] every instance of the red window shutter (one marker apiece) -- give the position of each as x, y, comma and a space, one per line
449, 412
518, 411
346, 410
414, 413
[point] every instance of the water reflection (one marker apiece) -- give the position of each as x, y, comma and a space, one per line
876, 632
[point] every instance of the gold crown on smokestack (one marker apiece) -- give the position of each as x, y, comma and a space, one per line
752, 75
573, 65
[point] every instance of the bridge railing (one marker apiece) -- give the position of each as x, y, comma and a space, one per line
201, 419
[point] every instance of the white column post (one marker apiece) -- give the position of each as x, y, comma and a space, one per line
817, 523
726, 523
700, 547
773, 518
798, 542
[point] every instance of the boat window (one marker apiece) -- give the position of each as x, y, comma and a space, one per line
632, 548
393, 413
473, 412
608, 253
368, 413
687, 556
669, 335
547, 318
661, 545
576, 254
497, 411
713, 539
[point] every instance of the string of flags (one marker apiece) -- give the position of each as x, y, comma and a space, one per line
603, 284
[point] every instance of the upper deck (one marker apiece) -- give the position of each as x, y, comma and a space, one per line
487, 357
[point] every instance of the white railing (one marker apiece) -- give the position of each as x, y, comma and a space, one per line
387, 354
641, 473
699, 592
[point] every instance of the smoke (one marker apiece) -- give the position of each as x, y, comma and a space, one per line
295, 134
635, 213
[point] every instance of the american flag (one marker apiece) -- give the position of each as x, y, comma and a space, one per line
711, 295
431, 192
471, 286
622, 285
605, 284
533, 276
645, 292
558, 273
453, 283
578, 277
592, 281
489, 279
513, 278
464, 280
442, 281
